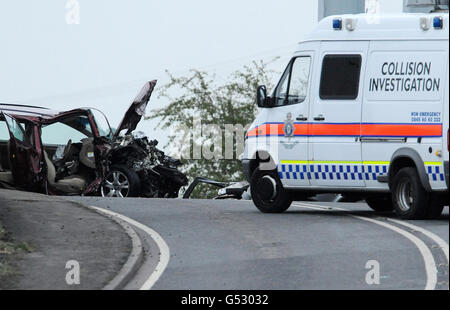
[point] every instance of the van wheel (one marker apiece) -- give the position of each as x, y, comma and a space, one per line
268, 193
380, 203
121, 182
410, 199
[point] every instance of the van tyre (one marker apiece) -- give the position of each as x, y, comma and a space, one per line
268, 193
382, 203
121, 182
411, 201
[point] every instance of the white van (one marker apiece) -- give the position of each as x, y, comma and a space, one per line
361, 109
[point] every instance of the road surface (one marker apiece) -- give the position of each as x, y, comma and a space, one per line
231, 245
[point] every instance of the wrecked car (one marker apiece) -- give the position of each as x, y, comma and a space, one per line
77, 153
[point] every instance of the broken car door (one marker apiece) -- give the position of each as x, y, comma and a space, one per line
24, 158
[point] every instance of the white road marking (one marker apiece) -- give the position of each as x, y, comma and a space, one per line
164, 255
430, 264
439, 241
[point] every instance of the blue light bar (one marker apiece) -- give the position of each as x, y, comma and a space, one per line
337, 24
438, 22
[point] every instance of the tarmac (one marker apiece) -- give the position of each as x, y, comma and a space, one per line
65, 241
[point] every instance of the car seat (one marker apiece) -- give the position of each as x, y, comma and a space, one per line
87, 153
71, 185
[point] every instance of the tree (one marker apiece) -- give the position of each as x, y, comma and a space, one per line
210, 149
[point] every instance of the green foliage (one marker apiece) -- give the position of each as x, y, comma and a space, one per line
199, 95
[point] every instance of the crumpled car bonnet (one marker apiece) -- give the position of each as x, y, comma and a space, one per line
136, 110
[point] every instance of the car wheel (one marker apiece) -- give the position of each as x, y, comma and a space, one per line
380, 203
268, 193
121, 182
410, 199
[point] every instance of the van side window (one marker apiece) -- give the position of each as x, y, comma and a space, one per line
340, 77
298, 86
281, 90
293, 86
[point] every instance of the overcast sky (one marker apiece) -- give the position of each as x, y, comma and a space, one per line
118, 45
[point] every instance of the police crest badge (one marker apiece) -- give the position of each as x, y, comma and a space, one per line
289, 126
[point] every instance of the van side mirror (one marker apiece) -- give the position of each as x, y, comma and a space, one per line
262, 100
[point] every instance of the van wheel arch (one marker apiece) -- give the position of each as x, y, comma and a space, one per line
258, 158
407, 157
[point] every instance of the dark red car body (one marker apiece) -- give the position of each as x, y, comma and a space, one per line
25, 150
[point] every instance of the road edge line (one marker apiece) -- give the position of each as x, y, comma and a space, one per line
134, 259
439, 241
164, 251
430, 264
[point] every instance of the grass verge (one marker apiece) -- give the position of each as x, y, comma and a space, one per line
9, 249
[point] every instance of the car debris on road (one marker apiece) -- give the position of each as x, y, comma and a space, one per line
228, 190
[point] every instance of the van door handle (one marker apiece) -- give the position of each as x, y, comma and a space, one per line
319, 118
302, 118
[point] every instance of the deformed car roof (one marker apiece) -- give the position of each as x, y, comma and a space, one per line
129, 122
26, 110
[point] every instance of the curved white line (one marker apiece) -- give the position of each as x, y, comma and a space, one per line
164, 255
430, 264
439, 241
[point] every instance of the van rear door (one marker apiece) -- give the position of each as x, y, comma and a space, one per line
446, 146
403, 106
335, 128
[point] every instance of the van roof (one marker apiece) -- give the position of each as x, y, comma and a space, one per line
405, 26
